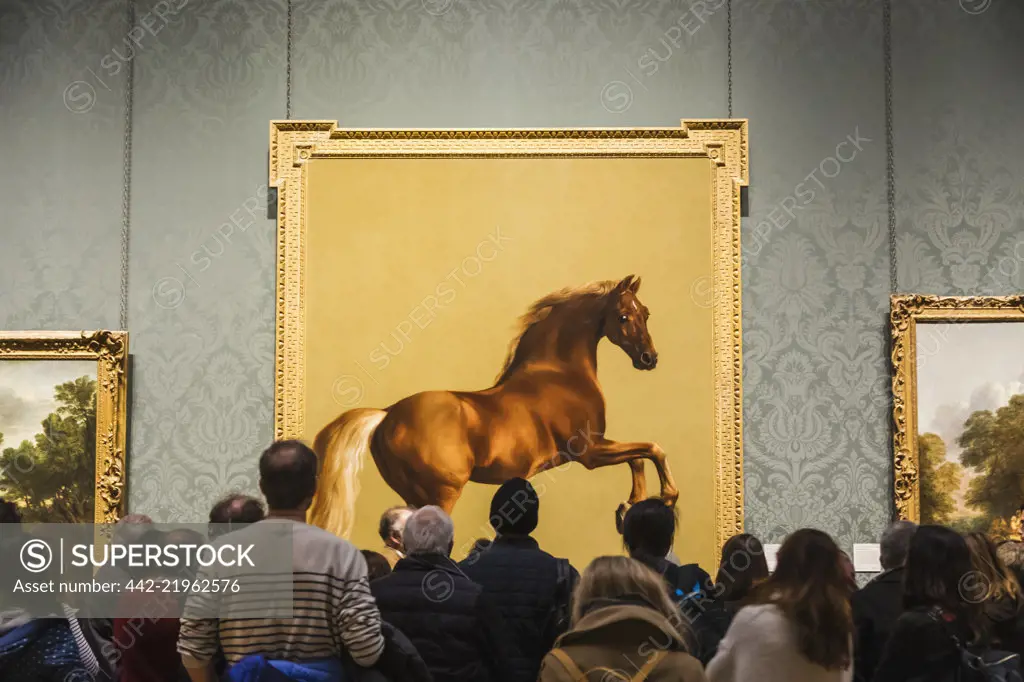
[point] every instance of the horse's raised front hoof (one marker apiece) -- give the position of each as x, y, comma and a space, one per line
620, 515
670, 497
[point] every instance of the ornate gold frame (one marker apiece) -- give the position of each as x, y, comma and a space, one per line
905, 311
110, 351
293, 143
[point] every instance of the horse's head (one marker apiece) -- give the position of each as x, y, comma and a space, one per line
625, 324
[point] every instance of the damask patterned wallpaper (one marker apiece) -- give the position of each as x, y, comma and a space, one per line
209, 74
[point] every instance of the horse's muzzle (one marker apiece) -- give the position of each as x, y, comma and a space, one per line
647, 361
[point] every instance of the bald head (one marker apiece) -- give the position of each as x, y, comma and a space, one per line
288, 475
235, 509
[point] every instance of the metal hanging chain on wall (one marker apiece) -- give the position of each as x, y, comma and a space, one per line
288, 66
890, 157
126, 187
728, 51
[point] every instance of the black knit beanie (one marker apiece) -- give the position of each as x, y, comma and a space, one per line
514, 508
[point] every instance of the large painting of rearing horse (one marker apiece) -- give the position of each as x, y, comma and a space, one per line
428, 446
456, 308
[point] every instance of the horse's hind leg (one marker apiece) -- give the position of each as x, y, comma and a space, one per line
639, 491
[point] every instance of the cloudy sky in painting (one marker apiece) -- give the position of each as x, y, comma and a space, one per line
962, 368
26, 394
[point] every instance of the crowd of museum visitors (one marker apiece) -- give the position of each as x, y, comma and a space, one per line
945, 607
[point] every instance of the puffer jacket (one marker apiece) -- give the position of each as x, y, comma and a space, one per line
38, 650
446, 617
522, 581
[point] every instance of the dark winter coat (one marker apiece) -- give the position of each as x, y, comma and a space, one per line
709, 620
921, 648
876, 608
522, 582
446, 617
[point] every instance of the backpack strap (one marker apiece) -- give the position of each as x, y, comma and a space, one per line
580, 676
569, 664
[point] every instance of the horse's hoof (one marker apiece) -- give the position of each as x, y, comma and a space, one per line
620, 515
670, 497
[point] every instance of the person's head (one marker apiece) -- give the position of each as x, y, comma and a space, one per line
130, 527
288, 476
895, 543
235, 509
742, 567
618, 577
515, 508
994, 580
429, 530
151, 537
183, 536
648, 529
810, 587
376, 565
392, 523
9, 512
937, 560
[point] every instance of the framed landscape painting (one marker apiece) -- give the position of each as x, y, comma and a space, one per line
62, 425
958, 391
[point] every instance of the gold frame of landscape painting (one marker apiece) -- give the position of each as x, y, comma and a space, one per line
953, 318
108, 350
295, 144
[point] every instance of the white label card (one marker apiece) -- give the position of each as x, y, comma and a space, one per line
867, 558
770, 555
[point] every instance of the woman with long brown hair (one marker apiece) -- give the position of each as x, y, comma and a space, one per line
798, 625
743, 566
624, 627
939, 615
998, 591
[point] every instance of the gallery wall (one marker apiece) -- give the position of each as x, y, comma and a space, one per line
810, 76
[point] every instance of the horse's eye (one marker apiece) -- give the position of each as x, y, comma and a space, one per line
623, 319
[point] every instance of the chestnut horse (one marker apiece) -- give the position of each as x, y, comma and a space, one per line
545, 409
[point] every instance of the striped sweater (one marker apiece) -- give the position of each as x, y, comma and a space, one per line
332, 609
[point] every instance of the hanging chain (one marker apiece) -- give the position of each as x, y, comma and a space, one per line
126, 186
728, 49
288, 66
890, 157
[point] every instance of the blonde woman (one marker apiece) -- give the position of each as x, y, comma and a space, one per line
624, 628
996, 588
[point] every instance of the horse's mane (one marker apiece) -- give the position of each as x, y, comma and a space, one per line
543, 306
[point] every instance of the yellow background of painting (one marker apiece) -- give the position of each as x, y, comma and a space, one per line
384, 234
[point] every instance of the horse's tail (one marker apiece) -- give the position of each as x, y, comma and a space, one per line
341, 448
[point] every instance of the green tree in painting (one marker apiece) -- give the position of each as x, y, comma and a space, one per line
939, 480
53, 479
993, 445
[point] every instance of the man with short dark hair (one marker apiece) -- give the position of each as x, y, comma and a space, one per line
392, 523
529, 588
334, 612
234, 509
648, 531
878, 605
